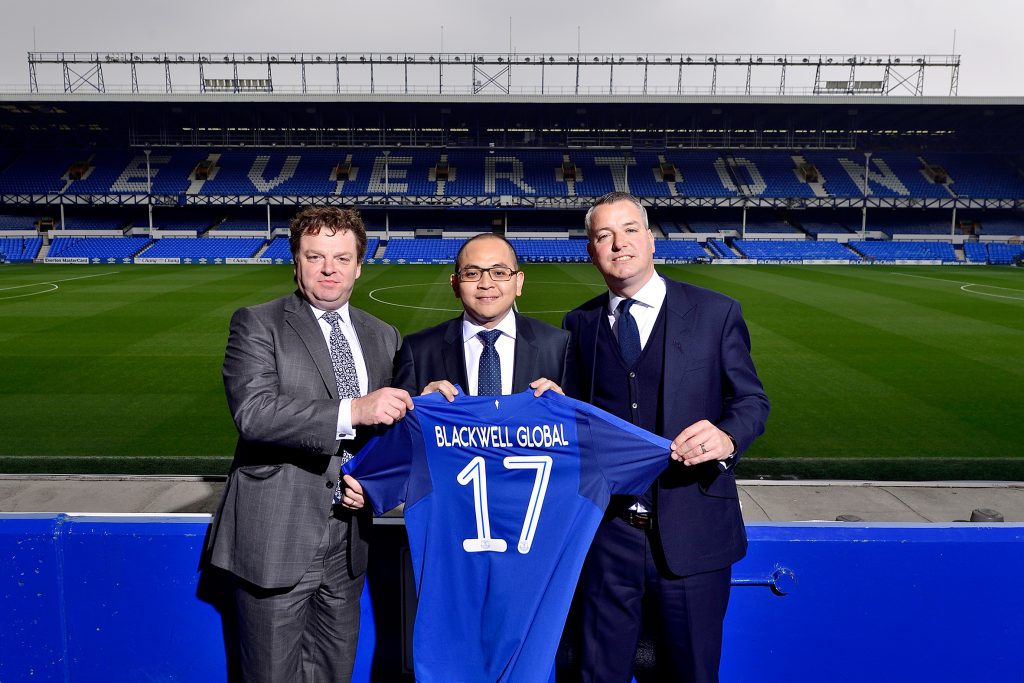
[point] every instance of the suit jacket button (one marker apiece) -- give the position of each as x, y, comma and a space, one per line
329, 484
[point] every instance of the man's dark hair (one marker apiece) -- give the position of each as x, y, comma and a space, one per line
487, 235
313, 219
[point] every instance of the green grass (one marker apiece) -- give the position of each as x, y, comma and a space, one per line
880, 372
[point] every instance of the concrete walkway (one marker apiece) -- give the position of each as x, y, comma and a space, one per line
763, 501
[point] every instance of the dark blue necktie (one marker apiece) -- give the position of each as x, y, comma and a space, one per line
488, 382
629, 334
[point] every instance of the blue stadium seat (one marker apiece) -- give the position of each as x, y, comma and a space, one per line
794, 250
20, 249
905, 251
97, 247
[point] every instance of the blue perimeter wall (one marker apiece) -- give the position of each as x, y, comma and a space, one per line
113, 598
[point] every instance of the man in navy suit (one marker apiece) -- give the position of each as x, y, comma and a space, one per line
674, 359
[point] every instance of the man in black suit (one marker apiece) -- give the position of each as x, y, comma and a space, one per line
307, 378
674, 359
487, 280
461, 351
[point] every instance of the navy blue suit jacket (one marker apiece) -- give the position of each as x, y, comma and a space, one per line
436, 353
708, 375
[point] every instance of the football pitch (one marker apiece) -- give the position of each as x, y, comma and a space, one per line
873, 371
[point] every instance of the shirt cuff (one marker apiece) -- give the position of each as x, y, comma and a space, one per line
346, 431
726, 463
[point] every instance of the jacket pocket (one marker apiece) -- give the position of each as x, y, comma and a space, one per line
722, 485
259, 471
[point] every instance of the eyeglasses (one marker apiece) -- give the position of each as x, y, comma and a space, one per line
497, 273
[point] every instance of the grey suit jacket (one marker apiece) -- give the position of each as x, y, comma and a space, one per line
437, 353
283, 396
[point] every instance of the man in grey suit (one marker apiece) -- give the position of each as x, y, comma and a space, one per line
307, 379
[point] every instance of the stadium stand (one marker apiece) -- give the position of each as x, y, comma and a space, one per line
279, 249
794, 250
248, 225
671, 228
543, 223
514, 172
769, 227
680, 250
910, 222
32, 173
97, 247
20, 249
720, 249
198, 225
422, 250
1000, 254
1008, 225
981, 175
975, 252
550, 251
814, 228
94, 222
905, 251
20, 223
203, 247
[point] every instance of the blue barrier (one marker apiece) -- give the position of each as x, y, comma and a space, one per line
114, 598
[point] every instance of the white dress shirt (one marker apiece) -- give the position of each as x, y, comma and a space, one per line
345, 428
473, 347
649, 301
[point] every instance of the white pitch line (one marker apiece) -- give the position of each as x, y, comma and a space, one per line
998, 296
50, 282
52, 288
456, 310
965, 285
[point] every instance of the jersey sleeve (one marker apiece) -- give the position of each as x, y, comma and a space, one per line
383, 465
630, 458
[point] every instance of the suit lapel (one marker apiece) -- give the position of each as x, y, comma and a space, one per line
378, 365
590, 326
523, 369
680, 318
453, 353
300, 317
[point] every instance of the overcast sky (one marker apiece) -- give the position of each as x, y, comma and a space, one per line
987, 31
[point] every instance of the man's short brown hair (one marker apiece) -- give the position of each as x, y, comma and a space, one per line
313, 219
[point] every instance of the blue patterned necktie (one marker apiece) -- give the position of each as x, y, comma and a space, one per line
345, 376
629, 334
341, 358
488, 381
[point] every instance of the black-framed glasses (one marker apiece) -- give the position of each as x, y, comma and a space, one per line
497, 273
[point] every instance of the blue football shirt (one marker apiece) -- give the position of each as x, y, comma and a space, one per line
503, 495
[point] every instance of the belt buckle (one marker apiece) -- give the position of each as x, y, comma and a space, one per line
639, 520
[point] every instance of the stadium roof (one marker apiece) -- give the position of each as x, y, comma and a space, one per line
499, 120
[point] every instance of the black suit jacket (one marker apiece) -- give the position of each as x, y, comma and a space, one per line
708, 375
436, 353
